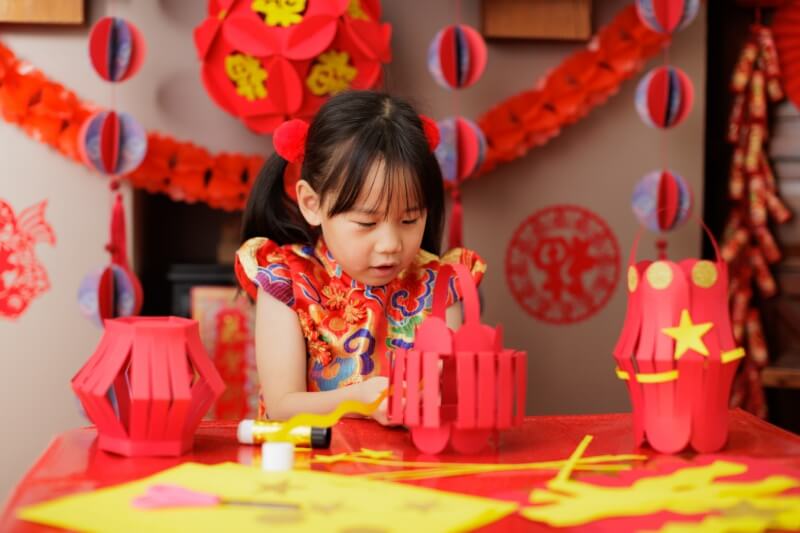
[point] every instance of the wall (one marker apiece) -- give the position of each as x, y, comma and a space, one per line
594, 164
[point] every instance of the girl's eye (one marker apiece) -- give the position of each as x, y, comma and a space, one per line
365, 224
410, 221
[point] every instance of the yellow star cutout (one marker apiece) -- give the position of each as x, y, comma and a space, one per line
688, 336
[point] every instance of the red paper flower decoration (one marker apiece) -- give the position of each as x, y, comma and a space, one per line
266, 62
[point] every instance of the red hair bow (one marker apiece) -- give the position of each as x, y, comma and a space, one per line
431, 130
289, 140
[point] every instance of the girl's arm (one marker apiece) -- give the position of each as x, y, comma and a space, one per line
281, 361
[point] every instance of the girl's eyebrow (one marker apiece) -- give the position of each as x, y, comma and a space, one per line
375, 211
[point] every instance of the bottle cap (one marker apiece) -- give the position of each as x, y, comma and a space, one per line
277, 456
244, 433
320, 437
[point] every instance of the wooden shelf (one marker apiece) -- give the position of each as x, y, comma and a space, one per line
781, 378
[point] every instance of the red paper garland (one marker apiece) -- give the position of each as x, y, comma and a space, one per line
52, 114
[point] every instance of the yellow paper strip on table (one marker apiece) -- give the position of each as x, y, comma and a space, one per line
689, 491
327, 502
329, 419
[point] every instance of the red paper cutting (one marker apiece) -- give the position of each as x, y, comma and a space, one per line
562, 264
22, 276
457, 387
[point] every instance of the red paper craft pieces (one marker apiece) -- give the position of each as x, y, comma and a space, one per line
677, 353
562, 264
116, 48
265, 62
457, 387
148, 385
22, 276
748, 245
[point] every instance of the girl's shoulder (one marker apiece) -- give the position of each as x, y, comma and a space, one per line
260, 262
462, 256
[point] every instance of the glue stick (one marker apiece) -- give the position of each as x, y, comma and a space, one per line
257, 431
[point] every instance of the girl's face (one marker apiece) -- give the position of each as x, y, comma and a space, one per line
376, 239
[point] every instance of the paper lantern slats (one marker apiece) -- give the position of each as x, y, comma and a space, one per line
150, 364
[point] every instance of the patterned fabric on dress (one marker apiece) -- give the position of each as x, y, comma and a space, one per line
350, 328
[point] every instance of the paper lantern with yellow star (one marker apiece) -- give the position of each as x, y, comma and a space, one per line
268, 61
677, 353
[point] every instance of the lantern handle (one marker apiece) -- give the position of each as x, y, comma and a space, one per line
469, 292
635, 245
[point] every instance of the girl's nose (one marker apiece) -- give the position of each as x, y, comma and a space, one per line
389, 241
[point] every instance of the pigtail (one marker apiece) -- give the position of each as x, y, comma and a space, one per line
270, 212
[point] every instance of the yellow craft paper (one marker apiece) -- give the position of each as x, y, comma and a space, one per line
328, 502
692, 490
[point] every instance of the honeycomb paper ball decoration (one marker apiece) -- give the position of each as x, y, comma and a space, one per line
112, 143
667, 16
457, 56
664, 97
116, 48
462, 148
662, 200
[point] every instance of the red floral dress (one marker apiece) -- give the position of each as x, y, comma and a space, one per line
350, 328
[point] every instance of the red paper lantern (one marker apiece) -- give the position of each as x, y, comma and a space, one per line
677, 353
266, 62
112, 143
461, 149
479, 389
664, 97
147, 385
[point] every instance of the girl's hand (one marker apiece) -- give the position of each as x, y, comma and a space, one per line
370, 390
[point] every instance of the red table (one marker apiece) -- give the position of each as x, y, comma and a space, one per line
72, 463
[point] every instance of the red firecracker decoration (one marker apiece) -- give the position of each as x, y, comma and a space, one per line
265, 62
748, 245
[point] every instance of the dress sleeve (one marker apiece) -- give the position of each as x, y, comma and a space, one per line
472, 261
262, 263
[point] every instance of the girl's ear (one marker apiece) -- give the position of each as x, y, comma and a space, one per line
309, 203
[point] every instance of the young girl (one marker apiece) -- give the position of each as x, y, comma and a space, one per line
342, 274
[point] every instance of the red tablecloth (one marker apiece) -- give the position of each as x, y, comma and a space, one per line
72, 462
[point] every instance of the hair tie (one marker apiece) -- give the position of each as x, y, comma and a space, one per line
289, 140
431, 130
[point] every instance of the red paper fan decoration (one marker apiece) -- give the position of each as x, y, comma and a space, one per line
116, 48
457, 56
266, 62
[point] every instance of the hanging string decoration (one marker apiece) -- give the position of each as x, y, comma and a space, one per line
456, 60
662, 200
53, 114
265, 62
748, 244
113, 143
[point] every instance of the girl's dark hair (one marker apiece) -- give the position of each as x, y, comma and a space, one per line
351, 133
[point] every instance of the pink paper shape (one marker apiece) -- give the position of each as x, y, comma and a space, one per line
167, 496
